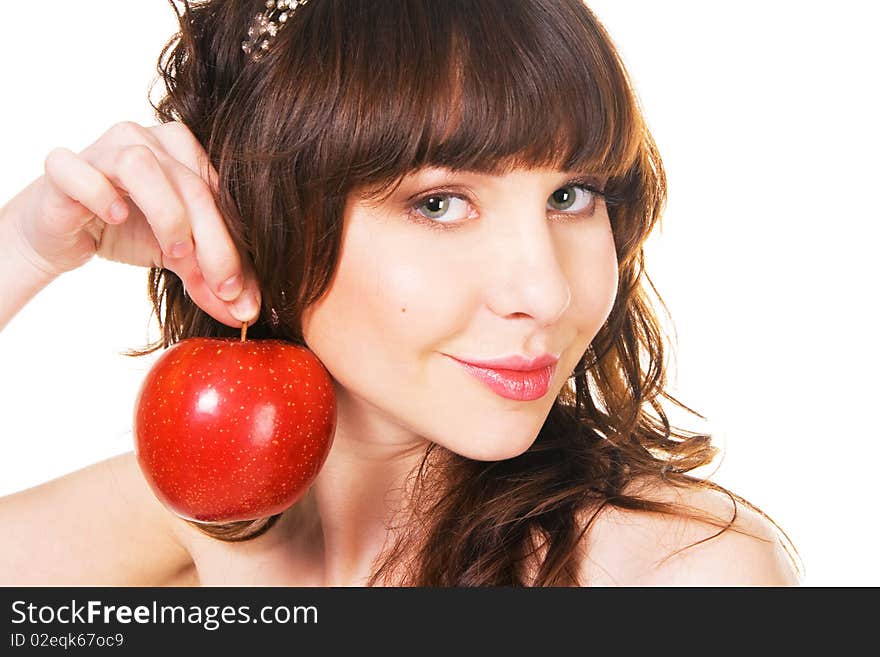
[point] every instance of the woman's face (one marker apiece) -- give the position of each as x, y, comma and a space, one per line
527, 266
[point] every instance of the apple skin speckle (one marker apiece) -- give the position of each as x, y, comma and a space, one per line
227, 430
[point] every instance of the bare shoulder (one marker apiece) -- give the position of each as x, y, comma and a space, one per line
637, 548
152, 515
99, 525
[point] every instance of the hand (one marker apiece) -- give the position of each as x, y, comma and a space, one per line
69, 215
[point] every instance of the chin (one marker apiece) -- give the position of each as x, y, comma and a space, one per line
482, 448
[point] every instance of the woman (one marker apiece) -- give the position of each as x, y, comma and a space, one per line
398, 186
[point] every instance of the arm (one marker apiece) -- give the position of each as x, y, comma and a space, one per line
98, 526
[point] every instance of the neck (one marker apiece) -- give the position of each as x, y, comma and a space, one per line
359, 493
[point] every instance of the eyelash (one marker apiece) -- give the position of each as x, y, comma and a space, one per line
439, 225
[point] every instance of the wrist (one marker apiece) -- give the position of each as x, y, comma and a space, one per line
22, 273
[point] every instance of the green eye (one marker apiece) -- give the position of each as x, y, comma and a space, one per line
566, 198
436, 206
436, 210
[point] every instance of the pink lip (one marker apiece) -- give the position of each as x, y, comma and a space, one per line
519, 363
520, 379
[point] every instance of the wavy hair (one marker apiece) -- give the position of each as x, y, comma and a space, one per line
353, 96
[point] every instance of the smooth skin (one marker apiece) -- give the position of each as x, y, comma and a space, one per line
517, 273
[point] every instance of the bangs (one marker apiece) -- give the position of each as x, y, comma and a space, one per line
486, 86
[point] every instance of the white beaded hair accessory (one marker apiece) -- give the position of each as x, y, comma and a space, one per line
264, 26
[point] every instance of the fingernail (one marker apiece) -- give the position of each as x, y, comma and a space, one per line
230, 288
118, 211
180, 249
245, 308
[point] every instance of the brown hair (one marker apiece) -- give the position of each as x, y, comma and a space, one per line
354, 95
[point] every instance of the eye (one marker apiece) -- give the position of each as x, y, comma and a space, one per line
575, 199
443, 209
436, 207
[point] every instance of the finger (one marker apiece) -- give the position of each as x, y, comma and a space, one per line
136, 169
187, 169
75, 191
181, 144
215, 251
203, 296
219, 261
221, 264
177, 153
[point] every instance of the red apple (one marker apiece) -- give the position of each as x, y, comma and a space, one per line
228, 429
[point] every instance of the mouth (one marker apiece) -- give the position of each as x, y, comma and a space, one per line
516, 384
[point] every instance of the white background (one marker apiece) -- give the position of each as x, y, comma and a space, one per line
766, 116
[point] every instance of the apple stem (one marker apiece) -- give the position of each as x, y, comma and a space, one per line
243, 330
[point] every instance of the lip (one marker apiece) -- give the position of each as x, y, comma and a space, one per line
516, 362
527, 382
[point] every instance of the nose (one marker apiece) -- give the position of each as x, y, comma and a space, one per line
527, 275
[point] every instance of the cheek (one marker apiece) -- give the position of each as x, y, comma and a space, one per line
593, 274
385, 305
398, 297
